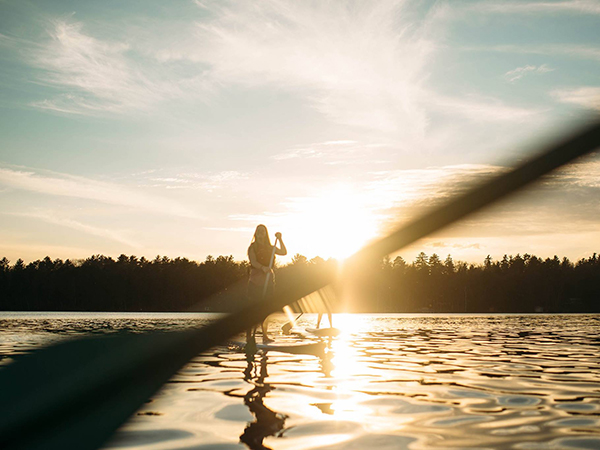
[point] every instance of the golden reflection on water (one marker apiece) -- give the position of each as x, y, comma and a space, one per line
346, 369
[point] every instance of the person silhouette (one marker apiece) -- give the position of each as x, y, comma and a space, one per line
261, 255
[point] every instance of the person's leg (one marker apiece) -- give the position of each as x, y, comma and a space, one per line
250, 346
265, 325
254, 295
265, 330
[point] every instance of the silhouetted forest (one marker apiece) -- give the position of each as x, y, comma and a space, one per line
429, 284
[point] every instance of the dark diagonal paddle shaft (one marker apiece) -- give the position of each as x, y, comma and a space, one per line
75, 394
490, 191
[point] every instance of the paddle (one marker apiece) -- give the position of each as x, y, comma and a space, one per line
271, 260
286, 327
75, 394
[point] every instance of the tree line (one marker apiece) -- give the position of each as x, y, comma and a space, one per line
521, 283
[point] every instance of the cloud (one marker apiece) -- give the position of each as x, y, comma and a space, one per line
512, 7
75, 225
405, 192
330, 152
102, 76
520, 72
586, 174
478, 108
97, 71
246, 230
439, 244
85, 188
6, 40
368, 68
567, 197
360, 64
587, 97
209, 181
568, 50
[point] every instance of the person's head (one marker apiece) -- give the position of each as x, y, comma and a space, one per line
261, 235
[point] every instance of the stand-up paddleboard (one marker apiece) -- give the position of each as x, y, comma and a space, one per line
324, 332
312, 348
298, 332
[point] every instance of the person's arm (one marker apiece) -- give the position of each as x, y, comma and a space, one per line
281, 250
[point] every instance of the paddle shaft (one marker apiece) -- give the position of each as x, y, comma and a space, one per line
266, 286
286, 327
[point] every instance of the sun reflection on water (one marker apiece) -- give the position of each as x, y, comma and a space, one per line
347, 367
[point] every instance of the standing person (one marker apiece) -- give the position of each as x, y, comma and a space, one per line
260, 284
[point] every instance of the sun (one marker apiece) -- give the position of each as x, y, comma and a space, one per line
335, 224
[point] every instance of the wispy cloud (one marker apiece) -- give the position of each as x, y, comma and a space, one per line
330, 152
246, 230
479, 108
362, 64
80, 187
408, 193
587, 97
567, 50
101, 76
417, 188
512, 7
586, 174
112, 235
6, 40
520, 72
97, 71
439, 244
209, 181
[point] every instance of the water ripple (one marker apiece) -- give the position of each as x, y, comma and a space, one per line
397, 381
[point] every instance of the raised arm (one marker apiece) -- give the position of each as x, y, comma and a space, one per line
281, 250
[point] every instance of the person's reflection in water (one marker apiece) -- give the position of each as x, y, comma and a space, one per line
326, 368
268, 422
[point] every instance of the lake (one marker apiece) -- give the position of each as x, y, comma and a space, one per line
387, 382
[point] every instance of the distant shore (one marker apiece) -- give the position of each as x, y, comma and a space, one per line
514, 284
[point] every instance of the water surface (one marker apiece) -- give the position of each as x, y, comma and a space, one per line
387, 382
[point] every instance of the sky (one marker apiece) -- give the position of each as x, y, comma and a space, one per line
174, 128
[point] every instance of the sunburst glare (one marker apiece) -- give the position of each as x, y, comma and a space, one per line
334, 224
